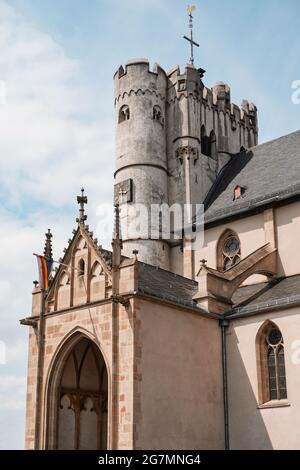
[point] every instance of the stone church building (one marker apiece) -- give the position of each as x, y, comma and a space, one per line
156, 345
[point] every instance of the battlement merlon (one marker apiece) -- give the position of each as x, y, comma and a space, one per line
137, 75
219, 96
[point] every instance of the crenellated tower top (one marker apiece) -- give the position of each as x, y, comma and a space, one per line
162, 119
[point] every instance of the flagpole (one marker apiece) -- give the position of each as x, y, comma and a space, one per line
65, 265
40, 367
41, 355
61, 264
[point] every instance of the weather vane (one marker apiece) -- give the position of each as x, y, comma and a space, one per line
191, 9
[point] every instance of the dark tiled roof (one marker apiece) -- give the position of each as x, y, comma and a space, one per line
162, 284
258, 297
166, 285
171, 287
268, 171
254, 298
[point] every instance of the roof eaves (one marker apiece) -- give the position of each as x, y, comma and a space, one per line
177, 301
286, 302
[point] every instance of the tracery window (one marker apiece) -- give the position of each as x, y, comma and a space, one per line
271, 364
82, 410
229, 251
276, 366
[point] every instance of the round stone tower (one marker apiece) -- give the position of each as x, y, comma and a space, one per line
141, 177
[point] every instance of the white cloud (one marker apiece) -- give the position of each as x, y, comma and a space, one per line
46, 137
12, 393
12, 411
17, 350
50, 143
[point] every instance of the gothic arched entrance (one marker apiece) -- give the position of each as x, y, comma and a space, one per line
81, 391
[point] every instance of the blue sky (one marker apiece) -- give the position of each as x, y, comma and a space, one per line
57, 126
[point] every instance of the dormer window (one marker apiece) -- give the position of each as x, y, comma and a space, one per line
124, 114
238, 192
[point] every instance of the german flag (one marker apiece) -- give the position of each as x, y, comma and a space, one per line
44, 266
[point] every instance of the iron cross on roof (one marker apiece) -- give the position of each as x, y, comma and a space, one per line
82, 200
191, 9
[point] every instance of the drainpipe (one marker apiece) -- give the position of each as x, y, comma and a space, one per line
225, 324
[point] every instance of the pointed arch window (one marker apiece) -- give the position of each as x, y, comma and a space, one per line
276, 365
205, 142
81, 268
157, 114
82, 400
228, 250
96, 270
271, 364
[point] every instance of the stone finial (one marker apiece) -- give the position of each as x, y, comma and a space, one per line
82, 200
48, 253
117, 225
203, 262
135, 253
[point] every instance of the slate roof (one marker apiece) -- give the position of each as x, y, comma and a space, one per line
269, 172
166, 285
249, 299
171, 287
161, 284
258, 297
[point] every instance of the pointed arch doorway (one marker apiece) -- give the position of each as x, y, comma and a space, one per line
78, 396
